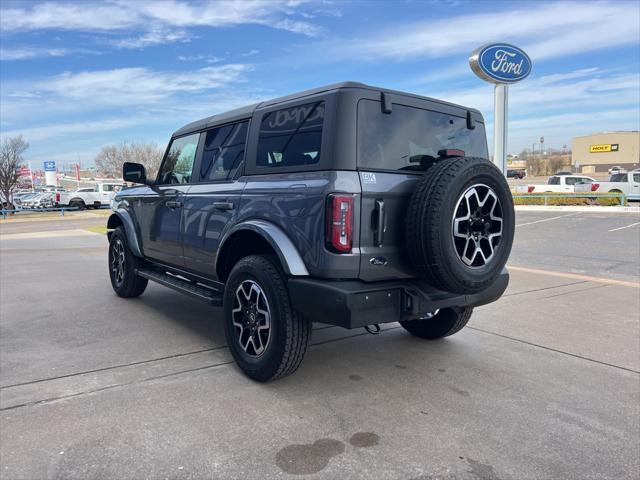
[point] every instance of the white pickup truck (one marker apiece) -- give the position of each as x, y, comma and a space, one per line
90, 197
556, 184
627, 183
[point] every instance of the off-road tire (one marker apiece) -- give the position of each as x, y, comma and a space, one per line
131, 284
429, 224
290, 331
446, 322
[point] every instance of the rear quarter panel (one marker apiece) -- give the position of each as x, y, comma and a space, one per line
295, 202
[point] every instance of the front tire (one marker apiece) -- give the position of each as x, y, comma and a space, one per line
266, 336
444, 323
122, 267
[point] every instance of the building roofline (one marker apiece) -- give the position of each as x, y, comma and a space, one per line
607, 133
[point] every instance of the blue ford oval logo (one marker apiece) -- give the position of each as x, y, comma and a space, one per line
500, 63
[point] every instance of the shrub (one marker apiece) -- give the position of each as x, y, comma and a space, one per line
565, 200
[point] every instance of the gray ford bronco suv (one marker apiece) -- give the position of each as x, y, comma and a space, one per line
348, 204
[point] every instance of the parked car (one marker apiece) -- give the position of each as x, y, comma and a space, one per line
516, 174
616, 169
348, 204
53, 188
627, 183
559, 184
89, 197
38, 200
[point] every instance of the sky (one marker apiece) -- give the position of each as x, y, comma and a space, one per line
78, 75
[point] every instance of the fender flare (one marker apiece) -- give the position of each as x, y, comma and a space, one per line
122, 217
287, 253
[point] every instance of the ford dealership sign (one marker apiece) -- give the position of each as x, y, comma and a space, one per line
500, 63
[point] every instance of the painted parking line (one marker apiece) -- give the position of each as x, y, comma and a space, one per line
622, 228
548, 219
47, 234
576, 276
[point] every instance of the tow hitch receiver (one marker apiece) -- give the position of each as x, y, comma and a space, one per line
373, 329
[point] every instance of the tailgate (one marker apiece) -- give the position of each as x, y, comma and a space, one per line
384, 203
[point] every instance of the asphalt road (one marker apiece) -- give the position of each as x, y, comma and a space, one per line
543, 384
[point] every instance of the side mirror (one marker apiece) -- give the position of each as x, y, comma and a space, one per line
134, 173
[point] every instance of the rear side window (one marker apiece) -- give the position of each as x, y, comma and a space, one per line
636, 177
553, 181
619, 177
571, 180
403, 138
223, 151
291, 137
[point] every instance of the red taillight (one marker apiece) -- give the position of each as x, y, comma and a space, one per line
595, 186
530, 189
57, 196
339, 222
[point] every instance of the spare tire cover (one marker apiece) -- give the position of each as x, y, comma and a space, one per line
460, 224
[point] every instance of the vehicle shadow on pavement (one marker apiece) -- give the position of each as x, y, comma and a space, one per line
202, 319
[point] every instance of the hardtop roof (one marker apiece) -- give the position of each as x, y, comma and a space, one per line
247, 111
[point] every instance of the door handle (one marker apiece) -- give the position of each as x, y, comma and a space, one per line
173, 204
382, 223
223, 205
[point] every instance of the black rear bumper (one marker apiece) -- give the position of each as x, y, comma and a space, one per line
353, 303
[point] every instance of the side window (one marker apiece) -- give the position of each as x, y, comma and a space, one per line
554, 181
178, 164
570, 180
223, 151
291, 137
622, 177
636, 177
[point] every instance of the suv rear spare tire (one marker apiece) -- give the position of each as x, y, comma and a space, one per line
460, 224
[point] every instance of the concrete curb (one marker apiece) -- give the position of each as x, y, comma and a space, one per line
573, 208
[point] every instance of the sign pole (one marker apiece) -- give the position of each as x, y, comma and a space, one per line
500, 115
33, 187
501, 64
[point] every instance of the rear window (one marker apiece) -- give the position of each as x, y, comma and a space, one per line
401, 139
291, 137
553, 181
619, 177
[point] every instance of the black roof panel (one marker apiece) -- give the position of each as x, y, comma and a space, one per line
245, 112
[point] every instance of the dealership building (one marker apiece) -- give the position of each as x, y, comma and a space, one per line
601, 151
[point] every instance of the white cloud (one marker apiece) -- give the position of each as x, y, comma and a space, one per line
578, 89
138, 86
120, 15
544, 30
559, 106
151, 38
25, 53
250, 53
198, 58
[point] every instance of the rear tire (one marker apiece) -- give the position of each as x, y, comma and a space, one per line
446, 322
122, 267
77, 204
266, 336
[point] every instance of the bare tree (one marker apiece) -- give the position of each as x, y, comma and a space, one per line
11, 151
111, 157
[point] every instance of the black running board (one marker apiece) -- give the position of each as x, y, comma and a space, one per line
209, 295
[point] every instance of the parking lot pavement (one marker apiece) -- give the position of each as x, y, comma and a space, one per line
601, 244
545, 383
